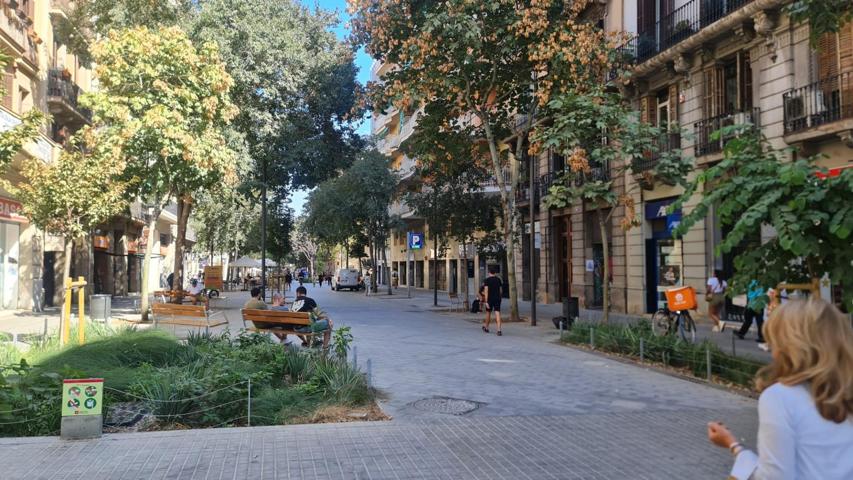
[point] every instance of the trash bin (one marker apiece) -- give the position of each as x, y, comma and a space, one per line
571, 308
100, 306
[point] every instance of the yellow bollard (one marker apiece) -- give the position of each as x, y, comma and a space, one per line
66, 314
81, 307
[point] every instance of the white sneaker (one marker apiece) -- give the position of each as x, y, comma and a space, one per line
764, 347
715, 329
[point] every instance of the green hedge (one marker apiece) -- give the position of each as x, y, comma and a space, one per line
668, 350
202, 382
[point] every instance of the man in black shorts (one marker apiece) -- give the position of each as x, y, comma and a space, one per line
493, 292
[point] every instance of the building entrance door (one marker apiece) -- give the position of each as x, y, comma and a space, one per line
564, 256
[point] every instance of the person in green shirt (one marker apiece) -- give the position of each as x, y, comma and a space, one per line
256, 302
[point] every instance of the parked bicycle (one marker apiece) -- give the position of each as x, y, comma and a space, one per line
678, 322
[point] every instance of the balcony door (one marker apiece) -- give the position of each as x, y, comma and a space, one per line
834, 97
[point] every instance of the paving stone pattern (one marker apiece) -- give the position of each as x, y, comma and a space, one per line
544, 411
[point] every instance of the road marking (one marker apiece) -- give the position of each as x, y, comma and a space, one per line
495, 360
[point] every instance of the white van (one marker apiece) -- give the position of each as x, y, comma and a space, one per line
348, 278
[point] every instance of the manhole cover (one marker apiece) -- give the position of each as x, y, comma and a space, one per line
445, 405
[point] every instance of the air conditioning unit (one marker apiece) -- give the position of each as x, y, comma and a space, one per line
742, 118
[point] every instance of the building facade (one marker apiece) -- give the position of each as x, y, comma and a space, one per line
700, 65
44, 75
450, 267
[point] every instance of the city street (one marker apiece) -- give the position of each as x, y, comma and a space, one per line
529, 408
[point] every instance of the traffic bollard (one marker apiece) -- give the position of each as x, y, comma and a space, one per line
708, 361
642, 351
355, 357
591, 337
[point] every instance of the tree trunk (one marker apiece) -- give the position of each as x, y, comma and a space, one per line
146, 264
435, 270
605, 239
185, 205
387, 268
464, 270
508, 218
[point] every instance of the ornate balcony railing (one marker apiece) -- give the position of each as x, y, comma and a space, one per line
703, 131
678, 25
825, 101
667, 143
66, 91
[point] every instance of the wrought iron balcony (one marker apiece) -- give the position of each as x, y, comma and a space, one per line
62, 98
822, 102
667, 143
703, 131
678, 25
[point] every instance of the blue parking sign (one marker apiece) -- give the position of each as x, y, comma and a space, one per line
416, 241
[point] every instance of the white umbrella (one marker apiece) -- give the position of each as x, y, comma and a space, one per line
245, 262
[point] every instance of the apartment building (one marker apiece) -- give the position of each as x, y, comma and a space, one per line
456, 264
43, 74
702, 64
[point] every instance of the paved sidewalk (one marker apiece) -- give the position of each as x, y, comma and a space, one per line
538, 410
649, 445
747, 348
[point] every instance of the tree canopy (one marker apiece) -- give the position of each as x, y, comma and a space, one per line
755, 186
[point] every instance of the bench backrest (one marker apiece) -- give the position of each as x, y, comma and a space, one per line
179, 310
276, 316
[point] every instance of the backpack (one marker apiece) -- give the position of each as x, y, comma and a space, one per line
475, 306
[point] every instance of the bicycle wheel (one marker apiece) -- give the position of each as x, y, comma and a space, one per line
660, 322
686, 327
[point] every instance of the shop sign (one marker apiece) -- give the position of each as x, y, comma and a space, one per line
11, 209
655, 210
82, 396
213, 277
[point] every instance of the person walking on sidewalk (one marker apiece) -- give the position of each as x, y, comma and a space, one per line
493, 292
755, 300
715, 294
805, 411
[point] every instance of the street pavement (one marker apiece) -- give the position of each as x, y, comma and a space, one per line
527, 408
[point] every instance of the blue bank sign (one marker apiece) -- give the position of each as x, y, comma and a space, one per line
655, 210
416, 241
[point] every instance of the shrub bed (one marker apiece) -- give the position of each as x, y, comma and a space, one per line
666, 350
202, 382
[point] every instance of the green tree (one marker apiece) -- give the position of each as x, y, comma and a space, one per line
451, 197
71, 196
88, 20
811, 213
13, 139
603, 139
352, 210
496, 62
159, 113
295, 84
305, 245
823, 16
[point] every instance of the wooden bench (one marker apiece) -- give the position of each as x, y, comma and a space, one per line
189, 315
289, 321
168, 295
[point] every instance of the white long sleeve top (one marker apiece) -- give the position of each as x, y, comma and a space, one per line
795, 442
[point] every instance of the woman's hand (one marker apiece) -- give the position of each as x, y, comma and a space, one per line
719, 435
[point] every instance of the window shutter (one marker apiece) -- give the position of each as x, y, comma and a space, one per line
647, 110
8, 85
673, 103
845, 61
827, 56
745, 72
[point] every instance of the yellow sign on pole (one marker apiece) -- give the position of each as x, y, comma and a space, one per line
70, 285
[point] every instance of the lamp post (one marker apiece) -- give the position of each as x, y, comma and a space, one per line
531, 207
264, 230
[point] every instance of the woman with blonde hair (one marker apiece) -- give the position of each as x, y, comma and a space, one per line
805, 410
